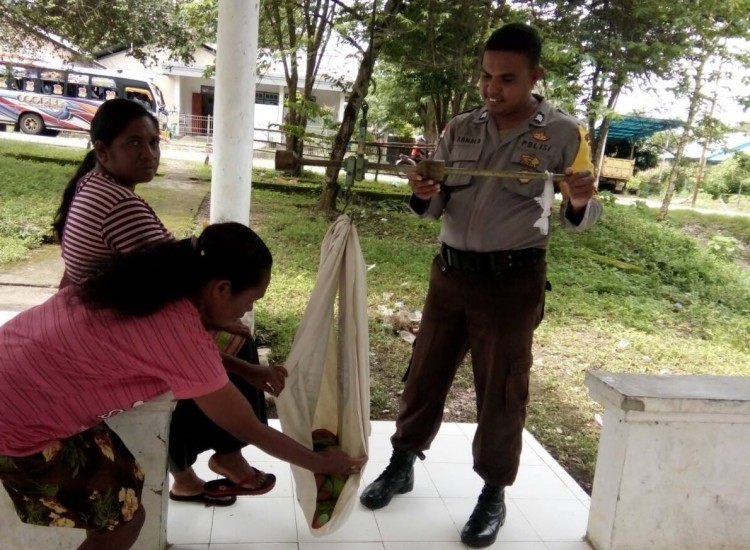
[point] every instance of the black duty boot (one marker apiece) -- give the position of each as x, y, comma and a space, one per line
486, 519
398, 477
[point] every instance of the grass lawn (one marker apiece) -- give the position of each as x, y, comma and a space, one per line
34, 177
686, 309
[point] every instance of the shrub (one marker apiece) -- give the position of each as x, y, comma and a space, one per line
729, 177
648, 183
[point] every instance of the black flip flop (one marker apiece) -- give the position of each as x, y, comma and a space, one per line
204, 499
225, 487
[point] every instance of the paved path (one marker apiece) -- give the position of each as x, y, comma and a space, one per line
678, 205
29, 282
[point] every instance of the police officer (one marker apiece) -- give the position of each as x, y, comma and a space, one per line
486, 291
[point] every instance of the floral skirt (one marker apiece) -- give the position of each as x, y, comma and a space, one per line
89, 481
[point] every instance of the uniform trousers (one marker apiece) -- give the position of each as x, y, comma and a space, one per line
494, 316
191, 432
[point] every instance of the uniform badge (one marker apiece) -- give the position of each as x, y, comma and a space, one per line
540, 136
539, 118
529, 161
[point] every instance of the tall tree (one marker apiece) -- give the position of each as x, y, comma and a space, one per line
713, 28
145, 26
615, 44
695, 83
299, 27
709, 130
433, 55
381, 21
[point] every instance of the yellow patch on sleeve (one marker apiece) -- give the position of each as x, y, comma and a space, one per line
582, 160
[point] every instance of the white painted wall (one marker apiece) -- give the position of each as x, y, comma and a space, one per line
178, 82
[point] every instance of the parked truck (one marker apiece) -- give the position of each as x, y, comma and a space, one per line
615, 174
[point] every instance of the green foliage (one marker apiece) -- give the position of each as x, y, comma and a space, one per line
652, 183
724, 247
391, 110
430, 66
729, 177
649, 183
647, 154
607, 197
310, 111
142, 25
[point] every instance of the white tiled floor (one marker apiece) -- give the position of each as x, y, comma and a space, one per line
547, 510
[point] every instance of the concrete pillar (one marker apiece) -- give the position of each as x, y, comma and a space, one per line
278, 137
176, 110
234, 105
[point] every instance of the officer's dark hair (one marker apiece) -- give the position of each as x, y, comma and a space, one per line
516, 37
143, 281
110, 121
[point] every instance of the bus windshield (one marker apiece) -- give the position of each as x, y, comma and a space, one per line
36, 97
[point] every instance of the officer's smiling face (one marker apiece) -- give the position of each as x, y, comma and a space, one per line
506, 82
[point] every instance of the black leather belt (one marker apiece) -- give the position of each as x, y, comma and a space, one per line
488, 263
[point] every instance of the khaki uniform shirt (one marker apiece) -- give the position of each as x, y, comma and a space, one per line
485, 214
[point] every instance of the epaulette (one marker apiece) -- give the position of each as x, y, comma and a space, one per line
469, 110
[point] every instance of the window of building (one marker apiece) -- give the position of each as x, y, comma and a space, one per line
266, 98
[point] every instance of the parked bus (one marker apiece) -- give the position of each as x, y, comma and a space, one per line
36, 96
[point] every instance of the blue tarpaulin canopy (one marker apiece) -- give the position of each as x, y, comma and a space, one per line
631, 127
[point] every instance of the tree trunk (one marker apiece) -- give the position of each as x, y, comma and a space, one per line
704, 149
594, 100
699, 174
601, 139
695, 100
384, 20
316, 23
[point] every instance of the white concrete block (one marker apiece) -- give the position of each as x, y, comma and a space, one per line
672, 465
145, 431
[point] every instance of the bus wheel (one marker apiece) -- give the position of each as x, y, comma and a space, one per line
31, 123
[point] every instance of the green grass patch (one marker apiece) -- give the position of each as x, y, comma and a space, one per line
685, 310
34, 177
30, 194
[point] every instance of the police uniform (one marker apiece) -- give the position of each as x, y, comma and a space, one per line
486, 292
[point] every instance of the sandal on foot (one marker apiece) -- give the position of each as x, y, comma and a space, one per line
225, 500
260, 483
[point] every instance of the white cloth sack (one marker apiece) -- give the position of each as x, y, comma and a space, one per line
329, 368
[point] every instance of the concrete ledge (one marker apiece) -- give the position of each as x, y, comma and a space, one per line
671, 470
673, 393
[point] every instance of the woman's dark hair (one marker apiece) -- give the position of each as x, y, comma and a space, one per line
516, 37
110, 121
145, 280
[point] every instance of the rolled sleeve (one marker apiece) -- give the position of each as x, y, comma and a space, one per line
590, 216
